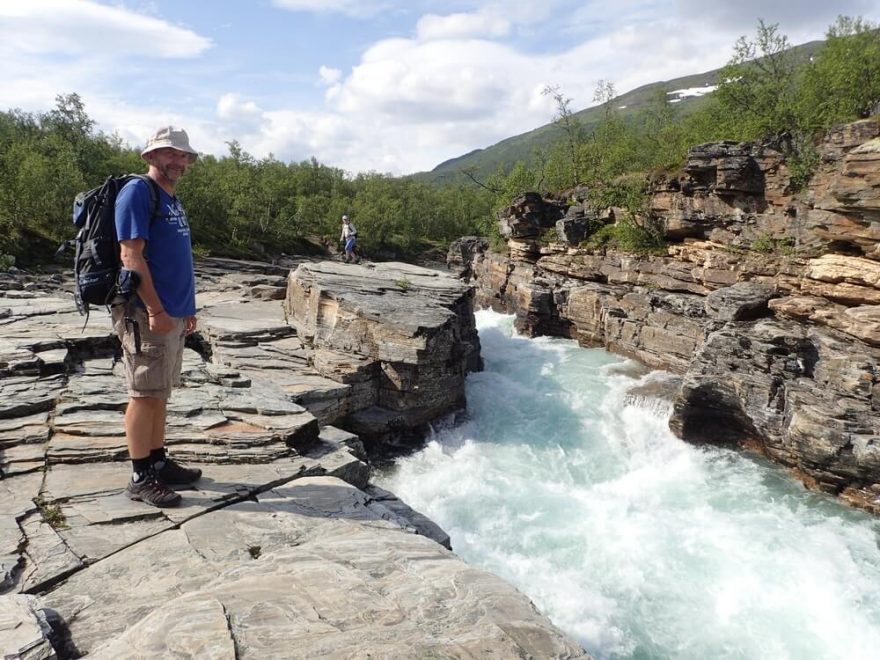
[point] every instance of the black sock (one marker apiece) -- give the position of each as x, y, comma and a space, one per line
157, 458
140, 467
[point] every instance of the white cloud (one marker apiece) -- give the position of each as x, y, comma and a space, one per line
354, 8
434, 80
50, 47
238, 114
233, 107
486, 23
77, 27
329, 75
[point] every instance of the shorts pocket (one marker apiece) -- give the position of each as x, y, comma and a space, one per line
148, 370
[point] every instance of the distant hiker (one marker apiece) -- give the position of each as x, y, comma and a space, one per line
156, 254
349, 237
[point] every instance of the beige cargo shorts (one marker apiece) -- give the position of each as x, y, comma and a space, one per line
155, 371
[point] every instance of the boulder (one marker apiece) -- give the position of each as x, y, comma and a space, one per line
462, 252
529, 216
803, 397
743, 301
729, 167
857, 185
413, 324
843, 138
575, 228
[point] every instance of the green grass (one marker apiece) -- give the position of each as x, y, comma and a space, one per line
51, 513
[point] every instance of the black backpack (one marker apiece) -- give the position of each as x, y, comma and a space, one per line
97, 263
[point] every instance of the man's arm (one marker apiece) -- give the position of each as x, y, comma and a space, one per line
131, 253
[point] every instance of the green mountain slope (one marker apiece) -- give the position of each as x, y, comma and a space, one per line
505, 154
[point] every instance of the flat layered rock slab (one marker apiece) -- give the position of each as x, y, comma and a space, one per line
21, 459
67, 448
405, 298
24, 430
28, 395
17, 494
91, 543
402, 336
420, 522
315, 566
309, 386
244, 319
101, 601
47, 556
24, 630
67, 482
107, 522
11, 559
43, 319
98, 519
206, 423
192, 627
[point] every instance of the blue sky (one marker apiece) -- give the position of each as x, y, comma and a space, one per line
364, 85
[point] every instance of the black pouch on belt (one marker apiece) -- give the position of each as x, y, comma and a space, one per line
127, 283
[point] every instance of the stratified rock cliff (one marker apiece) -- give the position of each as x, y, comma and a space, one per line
767, 301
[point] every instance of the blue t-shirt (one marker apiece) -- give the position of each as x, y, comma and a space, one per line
168, 250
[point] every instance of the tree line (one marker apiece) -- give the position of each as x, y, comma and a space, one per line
238, 205
242, 206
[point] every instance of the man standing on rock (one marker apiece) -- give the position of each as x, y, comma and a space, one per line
152, 326
349, 237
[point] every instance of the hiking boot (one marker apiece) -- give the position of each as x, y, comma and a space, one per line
150, 490
173, 473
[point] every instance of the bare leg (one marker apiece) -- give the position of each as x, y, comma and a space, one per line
158, 437
140, 420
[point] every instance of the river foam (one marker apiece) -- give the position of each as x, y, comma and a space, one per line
635, 543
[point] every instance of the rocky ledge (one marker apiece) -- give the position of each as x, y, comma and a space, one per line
401, 336
766, 301
283, 548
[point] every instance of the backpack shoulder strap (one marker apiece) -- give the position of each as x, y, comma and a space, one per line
153, 187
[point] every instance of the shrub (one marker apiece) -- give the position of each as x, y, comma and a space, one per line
627, 235
766, 244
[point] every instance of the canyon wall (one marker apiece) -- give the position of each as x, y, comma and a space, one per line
765, 300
